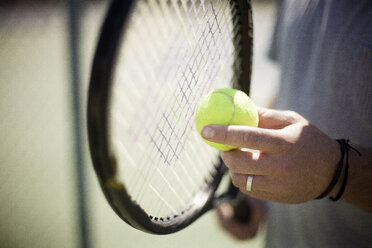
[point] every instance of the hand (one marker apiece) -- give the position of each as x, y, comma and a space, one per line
291, 160
242, 230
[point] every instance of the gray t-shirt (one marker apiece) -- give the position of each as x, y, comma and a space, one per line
324, 49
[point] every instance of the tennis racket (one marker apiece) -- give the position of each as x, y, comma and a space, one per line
154, 61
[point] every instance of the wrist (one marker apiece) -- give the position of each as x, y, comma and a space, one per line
336, 169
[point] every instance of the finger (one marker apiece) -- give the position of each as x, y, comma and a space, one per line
240, 231
248, 162
259, 183
237, 229
244, 136
276, 119
225, 212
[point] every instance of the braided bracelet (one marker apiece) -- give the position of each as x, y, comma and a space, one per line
343, 186
344, 147
337, 172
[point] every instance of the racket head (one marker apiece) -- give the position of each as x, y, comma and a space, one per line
103, 78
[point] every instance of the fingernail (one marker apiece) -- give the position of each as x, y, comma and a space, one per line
208, 132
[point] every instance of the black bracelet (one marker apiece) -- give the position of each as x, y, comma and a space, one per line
343, 186
338, 171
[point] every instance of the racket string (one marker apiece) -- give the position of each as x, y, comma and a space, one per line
185, 77
172, 163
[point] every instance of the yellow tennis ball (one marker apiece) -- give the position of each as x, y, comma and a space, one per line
225, 107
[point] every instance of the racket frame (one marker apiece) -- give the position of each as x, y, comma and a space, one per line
98, 121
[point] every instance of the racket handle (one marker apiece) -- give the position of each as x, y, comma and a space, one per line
242, 209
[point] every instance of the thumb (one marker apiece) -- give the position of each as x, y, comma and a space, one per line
276, 119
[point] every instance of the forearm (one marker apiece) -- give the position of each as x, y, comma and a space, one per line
358, 190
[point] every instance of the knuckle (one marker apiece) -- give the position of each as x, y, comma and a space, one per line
291, 115
248, 138
225, 137
231, 137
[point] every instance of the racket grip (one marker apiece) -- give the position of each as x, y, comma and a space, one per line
242, 210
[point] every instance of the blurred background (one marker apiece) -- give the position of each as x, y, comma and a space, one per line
46, 49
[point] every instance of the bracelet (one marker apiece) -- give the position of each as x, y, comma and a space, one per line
343, 186
338, 171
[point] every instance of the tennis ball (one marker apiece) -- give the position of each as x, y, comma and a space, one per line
225, 107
